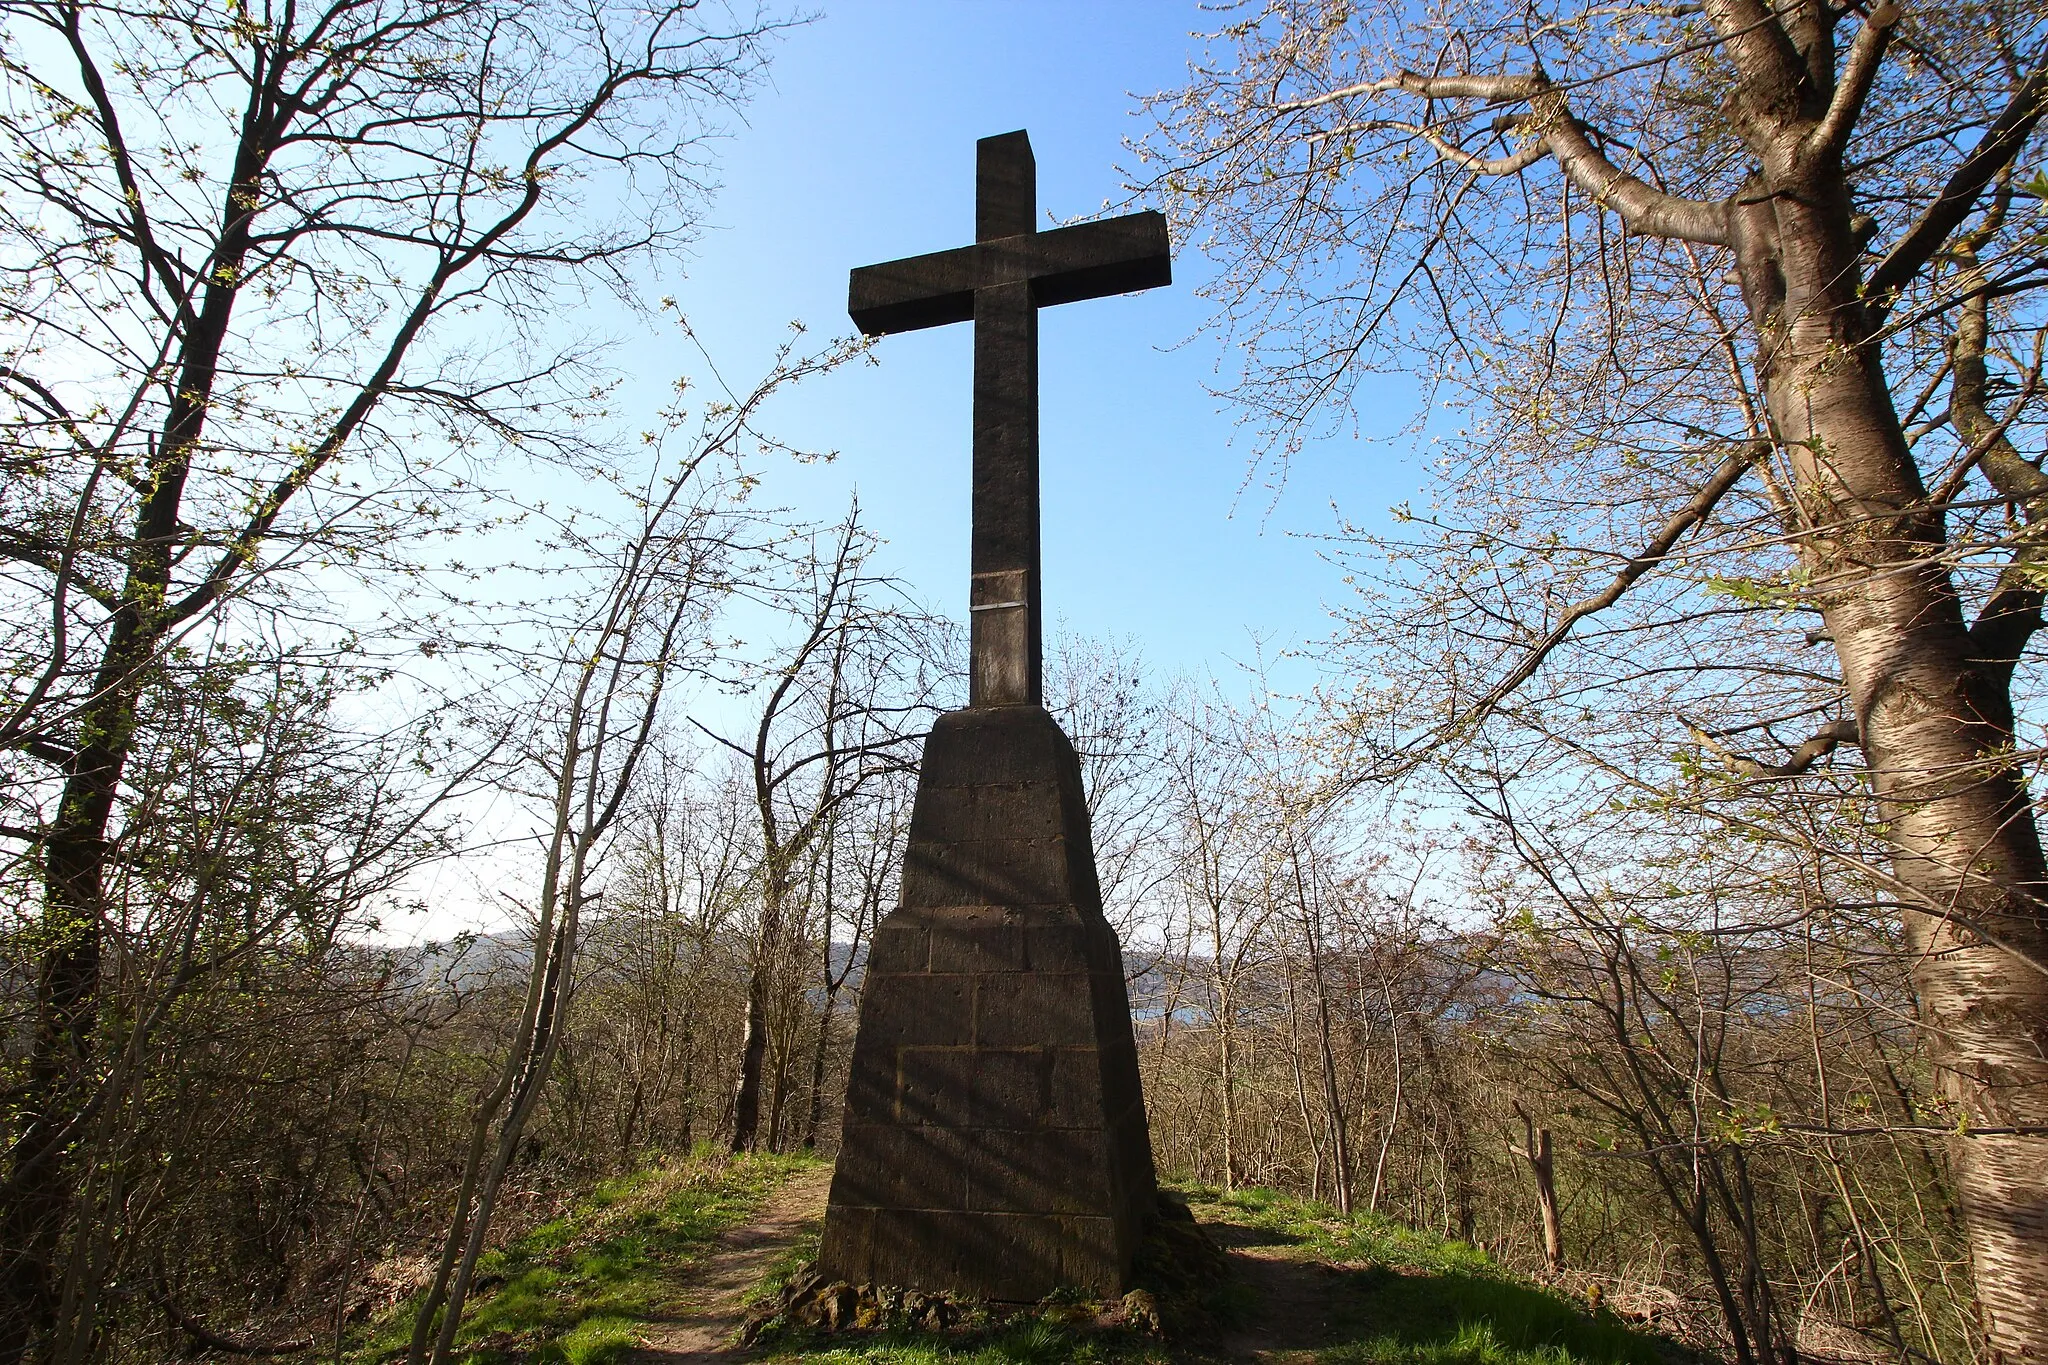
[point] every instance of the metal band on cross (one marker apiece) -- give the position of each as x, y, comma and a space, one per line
1000, 283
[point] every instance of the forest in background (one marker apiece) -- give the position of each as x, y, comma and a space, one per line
1649, 1077
1649, 893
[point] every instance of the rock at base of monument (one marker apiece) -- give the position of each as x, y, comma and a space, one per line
994, 1141
1184, 1290
811, 1302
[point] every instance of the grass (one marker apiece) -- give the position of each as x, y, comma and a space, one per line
1363, 1290
575, 1290
1320, 1233
1359, 1290
1402, 1297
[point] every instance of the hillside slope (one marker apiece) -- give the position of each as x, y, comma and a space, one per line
663, 1266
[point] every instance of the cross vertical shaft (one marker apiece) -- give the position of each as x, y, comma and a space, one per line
1005, 640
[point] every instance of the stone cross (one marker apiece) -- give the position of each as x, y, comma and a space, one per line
1000, 283
994, 1140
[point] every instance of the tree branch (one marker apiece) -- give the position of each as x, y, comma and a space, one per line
1866, 53
1817, 747
1993, 154
2013, 614
247, 542
1644, 209
1641, 206
1695, 511
1512, 164
208, 1339
1492, 89
162, 265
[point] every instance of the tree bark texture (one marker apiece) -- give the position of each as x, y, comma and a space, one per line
1936, 732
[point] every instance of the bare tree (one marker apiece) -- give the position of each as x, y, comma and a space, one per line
1683, 254
1101, 693
661, 952
255, 254
668, 575
838, 709
1224, 887
1308, 893
862, 865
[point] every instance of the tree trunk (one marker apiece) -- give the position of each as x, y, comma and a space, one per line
1536, 1151
1935, 719
746, 1096
1379, 1167
778, 1093
632, 1123
687, 1092
37, 1195
816, 1116
1333, 1103
1226, 1058
53, 1104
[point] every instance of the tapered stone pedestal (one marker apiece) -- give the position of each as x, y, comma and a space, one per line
994, 1142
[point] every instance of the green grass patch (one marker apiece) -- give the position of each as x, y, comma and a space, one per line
593, 1341
1321, 1233
1397, 1296
578, 1290
573, 1291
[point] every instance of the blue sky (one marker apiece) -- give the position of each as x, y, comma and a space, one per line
861, 149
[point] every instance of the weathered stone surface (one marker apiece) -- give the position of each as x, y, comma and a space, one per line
1000, 283
994, 1140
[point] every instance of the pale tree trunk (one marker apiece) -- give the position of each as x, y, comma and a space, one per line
1333, 1103
1936, 731
1379, 1166
539, 1060
1931, 694
784, 1045
1308, 1123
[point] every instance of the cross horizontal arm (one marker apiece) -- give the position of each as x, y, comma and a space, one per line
1065, 265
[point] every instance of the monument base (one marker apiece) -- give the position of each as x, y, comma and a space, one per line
994, 1142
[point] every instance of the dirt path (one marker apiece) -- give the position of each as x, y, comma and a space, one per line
1293, 1318
713, 1313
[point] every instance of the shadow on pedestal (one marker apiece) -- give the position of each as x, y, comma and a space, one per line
994, 1143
